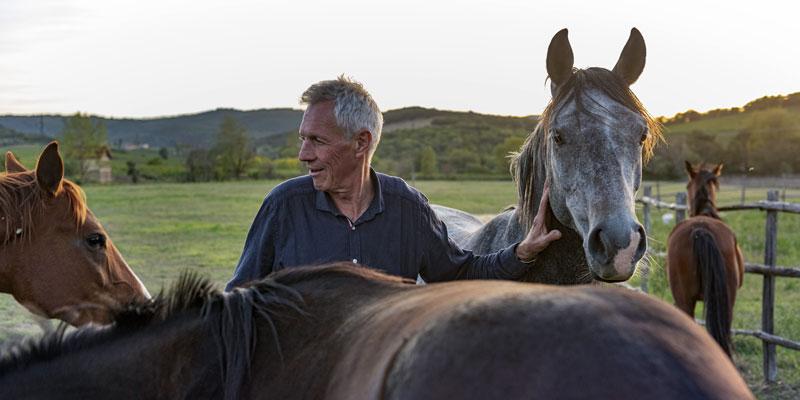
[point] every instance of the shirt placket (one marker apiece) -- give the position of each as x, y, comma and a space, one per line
353, 241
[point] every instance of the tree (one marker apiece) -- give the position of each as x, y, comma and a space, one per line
199, 166
502, 152
427, 162
164, 153
232, 149
772, 141
83, 139
133, 172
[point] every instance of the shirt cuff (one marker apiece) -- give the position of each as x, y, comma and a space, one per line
510, 266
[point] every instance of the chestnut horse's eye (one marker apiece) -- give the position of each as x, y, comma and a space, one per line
96, 240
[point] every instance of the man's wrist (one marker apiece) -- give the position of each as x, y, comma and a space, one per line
523, 256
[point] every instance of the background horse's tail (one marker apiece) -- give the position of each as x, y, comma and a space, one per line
713, 277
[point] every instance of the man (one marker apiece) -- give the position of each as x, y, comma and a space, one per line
344, 210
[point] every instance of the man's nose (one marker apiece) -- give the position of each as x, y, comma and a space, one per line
306, 153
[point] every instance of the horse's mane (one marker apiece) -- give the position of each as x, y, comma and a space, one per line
230, 316
702, 203
523, 164
21, 198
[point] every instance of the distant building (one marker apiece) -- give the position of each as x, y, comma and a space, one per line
135, 146
99, 169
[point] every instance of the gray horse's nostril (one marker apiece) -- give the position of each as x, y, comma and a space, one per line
598, 246
642, 247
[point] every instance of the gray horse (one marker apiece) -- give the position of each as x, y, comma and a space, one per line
589, 144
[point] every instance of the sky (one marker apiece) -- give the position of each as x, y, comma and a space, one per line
148, 58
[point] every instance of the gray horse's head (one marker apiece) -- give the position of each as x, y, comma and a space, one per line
589, 145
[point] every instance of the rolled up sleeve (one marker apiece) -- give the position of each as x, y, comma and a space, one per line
444, 260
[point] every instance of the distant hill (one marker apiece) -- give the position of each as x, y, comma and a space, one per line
264, 126
10, 137
195, 129
761, 137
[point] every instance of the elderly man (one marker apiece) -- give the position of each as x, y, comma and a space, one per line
344, 210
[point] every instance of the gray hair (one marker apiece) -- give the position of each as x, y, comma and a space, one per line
354, 108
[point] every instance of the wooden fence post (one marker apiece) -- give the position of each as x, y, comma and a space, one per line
648, 190
744, 188
768, 295
658, 193
680, 199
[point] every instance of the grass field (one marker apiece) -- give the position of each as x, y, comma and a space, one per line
163, 229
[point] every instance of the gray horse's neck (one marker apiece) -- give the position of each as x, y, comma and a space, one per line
564, 261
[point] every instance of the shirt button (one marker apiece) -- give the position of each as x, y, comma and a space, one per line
355, 261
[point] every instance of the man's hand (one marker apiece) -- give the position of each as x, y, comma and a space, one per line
538, 237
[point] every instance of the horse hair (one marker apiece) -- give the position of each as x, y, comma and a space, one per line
231, 317
20, 192
702, 203
525, 163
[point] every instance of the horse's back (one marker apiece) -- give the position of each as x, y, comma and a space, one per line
460, 224
680, 247
470, 233
510, 340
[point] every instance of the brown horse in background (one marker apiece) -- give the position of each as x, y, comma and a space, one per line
55, 257
341, 332
704, 261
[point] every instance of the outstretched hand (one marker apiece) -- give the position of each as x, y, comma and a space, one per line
538, 237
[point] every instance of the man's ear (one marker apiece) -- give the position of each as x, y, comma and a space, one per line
363, 142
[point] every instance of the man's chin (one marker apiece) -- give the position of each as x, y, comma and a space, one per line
319, 184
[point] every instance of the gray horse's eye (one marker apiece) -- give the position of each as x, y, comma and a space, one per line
645, 133
556, 134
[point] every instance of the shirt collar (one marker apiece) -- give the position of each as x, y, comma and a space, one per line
325, 203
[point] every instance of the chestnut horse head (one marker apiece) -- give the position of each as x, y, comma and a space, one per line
55, 257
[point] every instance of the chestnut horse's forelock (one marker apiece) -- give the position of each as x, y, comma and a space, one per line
21, 199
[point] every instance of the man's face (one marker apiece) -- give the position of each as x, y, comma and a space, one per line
330, 158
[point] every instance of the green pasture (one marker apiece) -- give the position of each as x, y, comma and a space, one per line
162, 229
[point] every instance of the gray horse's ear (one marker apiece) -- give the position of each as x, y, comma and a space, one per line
559, 59
689, 169
631, 62
12, 164
50, 169
718, 169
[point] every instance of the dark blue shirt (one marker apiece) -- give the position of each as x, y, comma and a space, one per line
399, 234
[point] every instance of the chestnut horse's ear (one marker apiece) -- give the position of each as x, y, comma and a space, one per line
50, 169
12, 164
718, 169
559, 59
689, 169
631, 62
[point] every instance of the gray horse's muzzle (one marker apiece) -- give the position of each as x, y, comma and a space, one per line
614, 247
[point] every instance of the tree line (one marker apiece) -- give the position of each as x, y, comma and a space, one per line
454, 145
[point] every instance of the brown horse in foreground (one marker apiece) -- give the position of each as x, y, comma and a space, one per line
55, 257
344, 332
704, 261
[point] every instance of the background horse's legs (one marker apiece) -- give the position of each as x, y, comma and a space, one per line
686, 304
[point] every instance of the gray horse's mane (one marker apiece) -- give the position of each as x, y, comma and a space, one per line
528, 167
